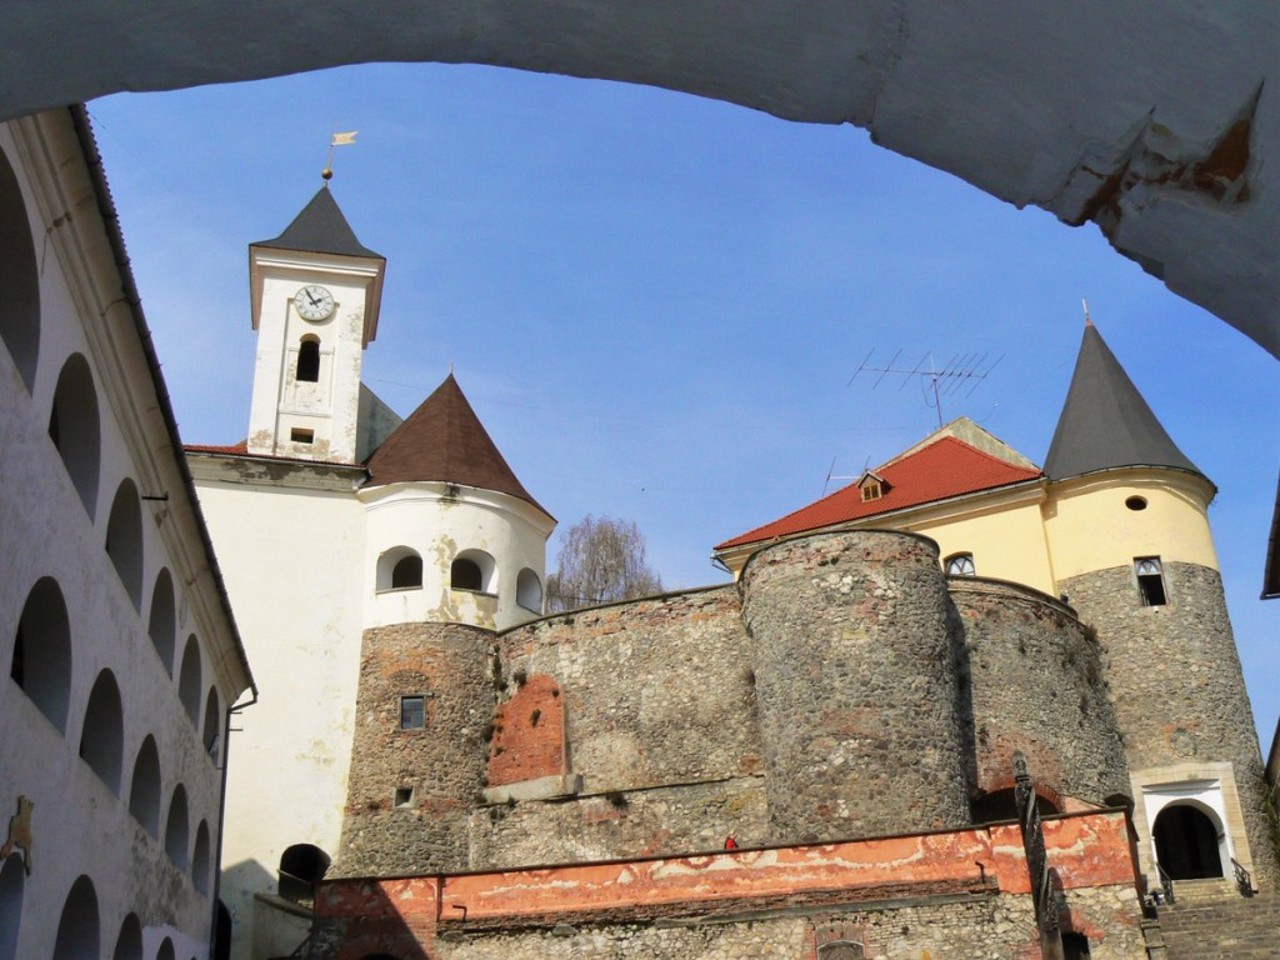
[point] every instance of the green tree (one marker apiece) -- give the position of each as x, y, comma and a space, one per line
600, 561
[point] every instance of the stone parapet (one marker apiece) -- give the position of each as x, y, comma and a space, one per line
1032, 682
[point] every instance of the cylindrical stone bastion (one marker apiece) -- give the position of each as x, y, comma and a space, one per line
856, 686
1036, 686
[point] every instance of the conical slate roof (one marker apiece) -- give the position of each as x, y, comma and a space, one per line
443, 440
321, 228
1105, 422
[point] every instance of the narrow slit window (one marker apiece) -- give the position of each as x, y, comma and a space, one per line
404, 796
1150, 581
413, 713
308, 369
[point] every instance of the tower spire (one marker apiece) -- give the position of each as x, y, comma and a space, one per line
1105, 421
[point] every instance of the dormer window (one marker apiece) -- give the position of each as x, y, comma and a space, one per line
871, 486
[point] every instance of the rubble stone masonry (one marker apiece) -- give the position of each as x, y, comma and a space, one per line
1176, 681
1033, 679
856, 684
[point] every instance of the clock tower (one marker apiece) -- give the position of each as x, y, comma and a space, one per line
316, 292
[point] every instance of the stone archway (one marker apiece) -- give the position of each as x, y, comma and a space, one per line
1155, 129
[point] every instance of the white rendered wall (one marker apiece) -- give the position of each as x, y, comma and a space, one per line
438, 525
329, 407
79, 826
293, 560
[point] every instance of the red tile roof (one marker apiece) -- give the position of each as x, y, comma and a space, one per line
945, 468
241, 447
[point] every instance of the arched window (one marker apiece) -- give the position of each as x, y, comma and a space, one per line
41, 663
13, 877
189, 680
176, 829
200, 859
1187, 845
308, 369
129, 943
19, 278
162, 623
78, 934
124, 539
302, 866
960, 565
529, 591
212, 724
144, 787
73, 428
399, 568
472, 570
166, 950
102, 738
407, 572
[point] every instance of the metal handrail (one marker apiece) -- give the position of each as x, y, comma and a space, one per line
1244, 882
1166, 884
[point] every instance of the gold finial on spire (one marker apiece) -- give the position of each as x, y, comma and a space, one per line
1088, 320
338, 140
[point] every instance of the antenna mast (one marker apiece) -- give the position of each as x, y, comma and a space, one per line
961, 369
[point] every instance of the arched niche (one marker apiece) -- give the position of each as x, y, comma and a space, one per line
75, 430
162, 624
12, 885
129, 942
19, 278
124, 539
189, 681
212, 724
102, 736
529, 591
177, 828
78, 927
200, 858
144, 787
41, 662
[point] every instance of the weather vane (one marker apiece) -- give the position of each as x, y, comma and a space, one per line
338, 140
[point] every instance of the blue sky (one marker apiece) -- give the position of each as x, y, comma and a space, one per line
655, 302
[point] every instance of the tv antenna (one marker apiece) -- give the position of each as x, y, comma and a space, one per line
963, 369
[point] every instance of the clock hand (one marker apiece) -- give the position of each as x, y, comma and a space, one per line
314, 301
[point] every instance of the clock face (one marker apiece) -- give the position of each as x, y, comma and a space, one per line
314, 302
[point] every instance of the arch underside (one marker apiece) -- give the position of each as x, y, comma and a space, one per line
1156, 129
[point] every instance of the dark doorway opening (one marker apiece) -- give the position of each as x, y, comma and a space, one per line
1187, 843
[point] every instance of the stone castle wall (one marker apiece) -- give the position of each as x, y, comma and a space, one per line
1176, 681
856, 685
442, 765
1032, 676
838, 691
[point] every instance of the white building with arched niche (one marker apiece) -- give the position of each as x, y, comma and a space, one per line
332, 517
121, 657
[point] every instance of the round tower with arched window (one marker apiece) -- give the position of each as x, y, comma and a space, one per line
1126, 518
452, 536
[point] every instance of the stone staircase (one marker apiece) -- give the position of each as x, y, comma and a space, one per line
1211, 920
